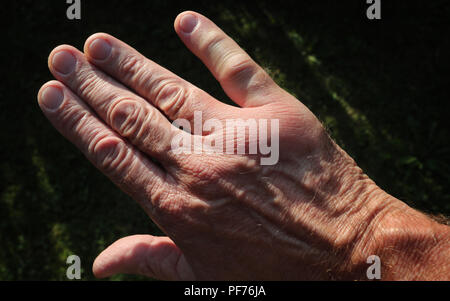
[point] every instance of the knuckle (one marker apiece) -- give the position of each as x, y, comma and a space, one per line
77, 120
130, 66
109, 154
244, 73
237, 67
198, 176
140, 124
212, 43
89, 84
164, 200
198, 173
229, 61
164, 268
126, 117
170, 97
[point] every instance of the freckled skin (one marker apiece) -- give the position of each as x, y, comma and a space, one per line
312, 215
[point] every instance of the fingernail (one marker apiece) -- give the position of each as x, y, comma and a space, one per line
99, 49
52, 98
188, 23
64, 62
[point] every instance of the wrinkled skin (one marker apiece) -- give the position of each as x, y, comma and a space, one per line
313, 215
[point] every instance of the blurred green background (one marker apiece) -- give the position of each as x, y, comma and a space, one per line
380, 87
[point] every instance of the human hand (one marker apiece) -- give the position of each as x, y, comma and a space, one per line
312, 215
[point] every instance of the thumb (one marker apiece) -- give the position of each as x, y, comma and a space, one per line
152, 256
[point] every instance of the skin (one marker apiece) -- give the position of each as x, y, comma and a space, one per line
313, 215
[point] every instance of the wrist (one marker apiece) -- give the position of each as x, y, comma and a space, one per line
359, 207
410, 245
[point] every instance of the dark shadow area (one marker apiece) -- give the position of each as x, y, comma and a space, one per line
380, 87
